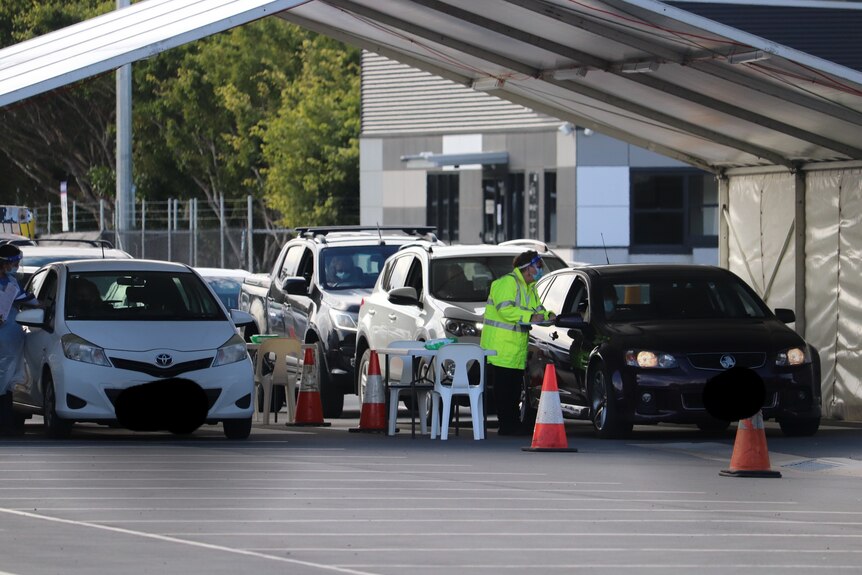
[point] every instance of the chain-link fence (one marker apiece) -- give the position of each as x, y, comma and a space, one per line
227, 233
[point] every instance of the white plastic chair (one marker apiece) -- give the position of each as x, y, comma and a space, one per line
461, 354
404, 384
282, 348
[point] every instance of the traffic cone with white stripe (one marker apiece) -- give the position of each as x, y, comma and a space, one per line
372, 417
550, 432
309, 409
750, 457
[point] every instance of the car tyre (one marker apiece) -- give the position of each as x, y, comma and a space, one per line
604, 411
331, 398
237, 428
799, 427
55, 426
362, 375
528, 413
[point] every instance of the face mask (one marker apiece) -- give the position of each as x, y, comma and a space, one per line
539, 273
342, 275
13, 272
609, 306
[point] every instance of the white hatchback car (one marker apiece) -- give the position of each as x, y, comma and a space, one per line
142, 343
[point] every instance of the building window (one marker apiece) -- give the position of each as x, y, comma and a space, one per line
673, 210
442, 203
551, 207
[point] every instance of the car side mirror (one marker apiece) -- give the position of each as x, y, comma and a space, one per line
404, 296
785, 315
294, 285
31, 318
241, 318
570, 321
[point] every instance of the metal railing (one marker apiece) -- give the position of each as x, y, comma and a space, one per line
225, 234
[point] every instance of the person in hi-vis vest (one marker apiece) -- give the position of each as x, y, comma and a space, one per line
512, 305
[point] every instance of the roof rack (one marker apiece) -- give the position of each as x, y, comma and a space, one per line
527, 243
320, 232
425, 245
93, 243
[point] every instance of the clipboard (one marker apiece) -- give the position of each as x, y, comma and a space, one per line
543, 323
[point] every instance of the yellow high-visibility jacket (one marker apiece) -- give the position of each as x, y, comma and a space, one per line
511, 303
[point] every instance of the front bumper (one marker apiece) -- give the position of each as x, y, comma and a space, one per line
87, 392
676, 396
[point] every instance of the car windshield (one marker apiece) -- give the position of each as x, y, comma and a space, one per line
694, 298
353, 267
468, 278
139, 296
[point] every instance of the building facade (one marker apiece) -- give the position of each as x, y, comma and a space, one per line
485, 170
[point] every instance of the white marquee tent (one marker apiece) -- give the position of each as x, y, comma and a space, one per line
780, 128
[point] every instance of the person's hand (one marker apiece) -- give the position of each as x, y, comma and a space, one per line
536, 317
552, 315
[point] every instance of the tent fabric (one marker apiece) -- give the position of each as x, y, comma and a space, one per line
836, 290
641, 71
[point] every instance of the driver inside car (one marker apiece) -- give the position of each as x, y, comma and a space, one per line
341, 270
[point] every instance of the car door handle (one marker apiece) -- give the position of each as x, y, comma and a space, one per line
372, 311
392, 317
554, 335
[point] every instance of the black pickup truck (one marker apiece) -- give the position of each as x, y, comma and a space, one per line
314, 291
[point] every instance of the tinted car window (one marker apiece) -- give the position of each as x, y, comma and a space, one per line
554, 299
551, 263
398, 278
227, 290
291, 262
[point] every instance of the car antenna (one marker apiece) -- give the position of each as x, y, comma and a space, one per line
606, 248
380, 235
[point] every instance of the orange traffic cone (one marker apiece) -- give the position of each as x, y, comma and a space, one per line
372, 417
550, 432
309, 410
750, 457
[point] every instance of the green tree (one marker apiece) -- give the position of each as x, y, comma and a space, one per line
217, 117
66, 134
312, 145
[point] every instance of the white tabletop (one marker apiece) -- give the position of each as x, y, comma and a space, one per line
421, 351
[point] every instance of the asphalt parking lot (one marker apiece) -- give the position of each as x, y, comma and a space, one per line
322, 500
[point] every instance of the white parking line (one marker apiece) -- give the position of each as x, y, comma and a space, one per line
451, 521
438, 509
539, 549
199, 544
519, 535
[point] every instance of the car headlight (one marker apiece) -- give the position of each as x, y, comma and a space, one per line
343, 320
650, 359
792, 356
79, 349
460, 328
233, 351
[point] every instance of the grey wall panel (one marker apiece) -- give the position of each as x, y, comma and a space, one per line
599, 150
470, 207
396, 147
404, 216
567, 208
